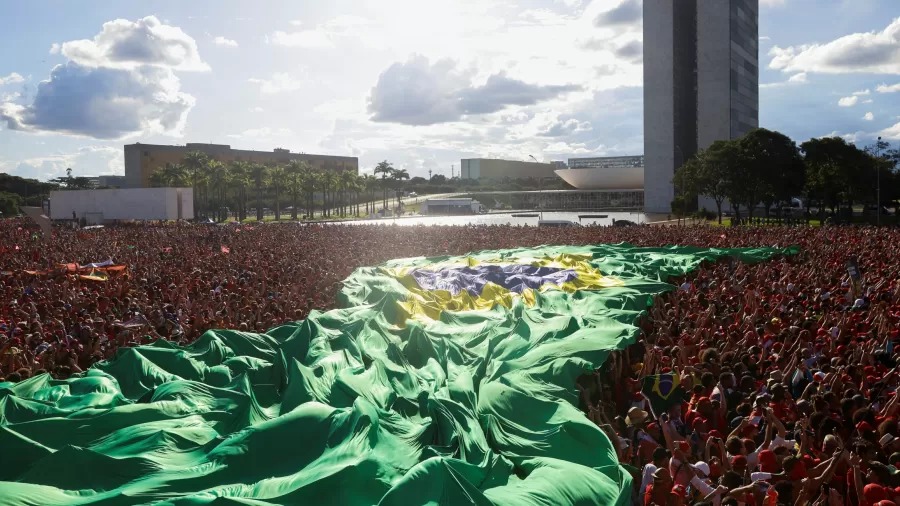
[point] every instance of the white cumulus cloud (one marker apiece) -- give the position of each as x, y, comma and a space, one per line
222, 41
848, 101
11, 79
130, 44
104, 103
869, 52
119, 84
884, 88
892, 132
417, 92
869, 116
279, 82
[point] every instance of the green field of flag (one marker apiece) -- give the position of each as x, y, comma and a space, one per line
440, 381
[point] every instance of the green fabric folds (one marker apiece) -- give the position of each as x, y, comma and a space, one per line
354, 406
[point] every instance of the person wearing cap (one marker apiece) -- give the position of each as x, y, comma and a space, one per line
677, 496
658, 491
660, 461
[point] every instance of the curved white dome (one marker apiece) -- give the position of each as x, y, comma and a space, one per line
624, 178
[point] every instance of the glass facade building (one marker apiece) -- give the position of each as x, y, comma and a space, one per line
744, 82
607, 162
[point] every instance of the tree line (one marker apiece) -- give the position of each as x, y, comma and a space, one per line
220, 187
767, 169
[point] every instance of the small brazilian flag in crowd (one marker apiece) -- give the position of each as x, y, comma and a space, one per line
663, 391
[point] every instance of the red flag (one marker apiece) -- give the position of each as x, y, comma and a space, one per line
226, 250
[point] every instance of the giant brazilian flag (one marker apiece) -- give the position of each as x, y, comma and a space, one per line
441, 381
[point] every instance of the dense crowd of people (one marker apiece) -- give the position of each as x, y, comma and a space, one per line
786, 369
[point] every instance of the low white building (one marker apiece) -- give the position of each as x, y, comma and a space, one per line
450, 206
100, 206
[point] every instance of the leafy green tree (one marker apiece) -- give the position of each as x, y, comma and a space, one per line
31, 191
9, 204
775, 161
830, 163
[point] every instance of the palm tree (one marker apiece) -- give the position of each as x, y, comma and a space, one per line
277, 181
347, 179
295, 173
219, 178
386, 170
311, 180
371, 184
258, 175
329, 182
398, 176
195, 164
168, 176
240, 180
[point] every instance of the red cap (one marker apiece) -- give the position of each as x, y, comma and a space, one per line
874, 493
864, 426
679, 491
798, 472
739, 461
767, 461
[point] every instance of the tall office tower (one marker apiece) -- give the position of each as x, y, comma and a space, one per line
701, 83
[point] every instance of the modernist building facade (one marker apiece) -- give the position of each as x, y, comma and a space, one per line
605, 173
141, 160
701, 83
491, 168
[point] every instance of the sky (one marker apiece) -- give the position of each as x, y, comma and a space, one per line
421, 84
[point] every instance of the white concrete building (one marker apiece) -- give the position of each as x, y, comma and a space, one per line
100, 206
701, 83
